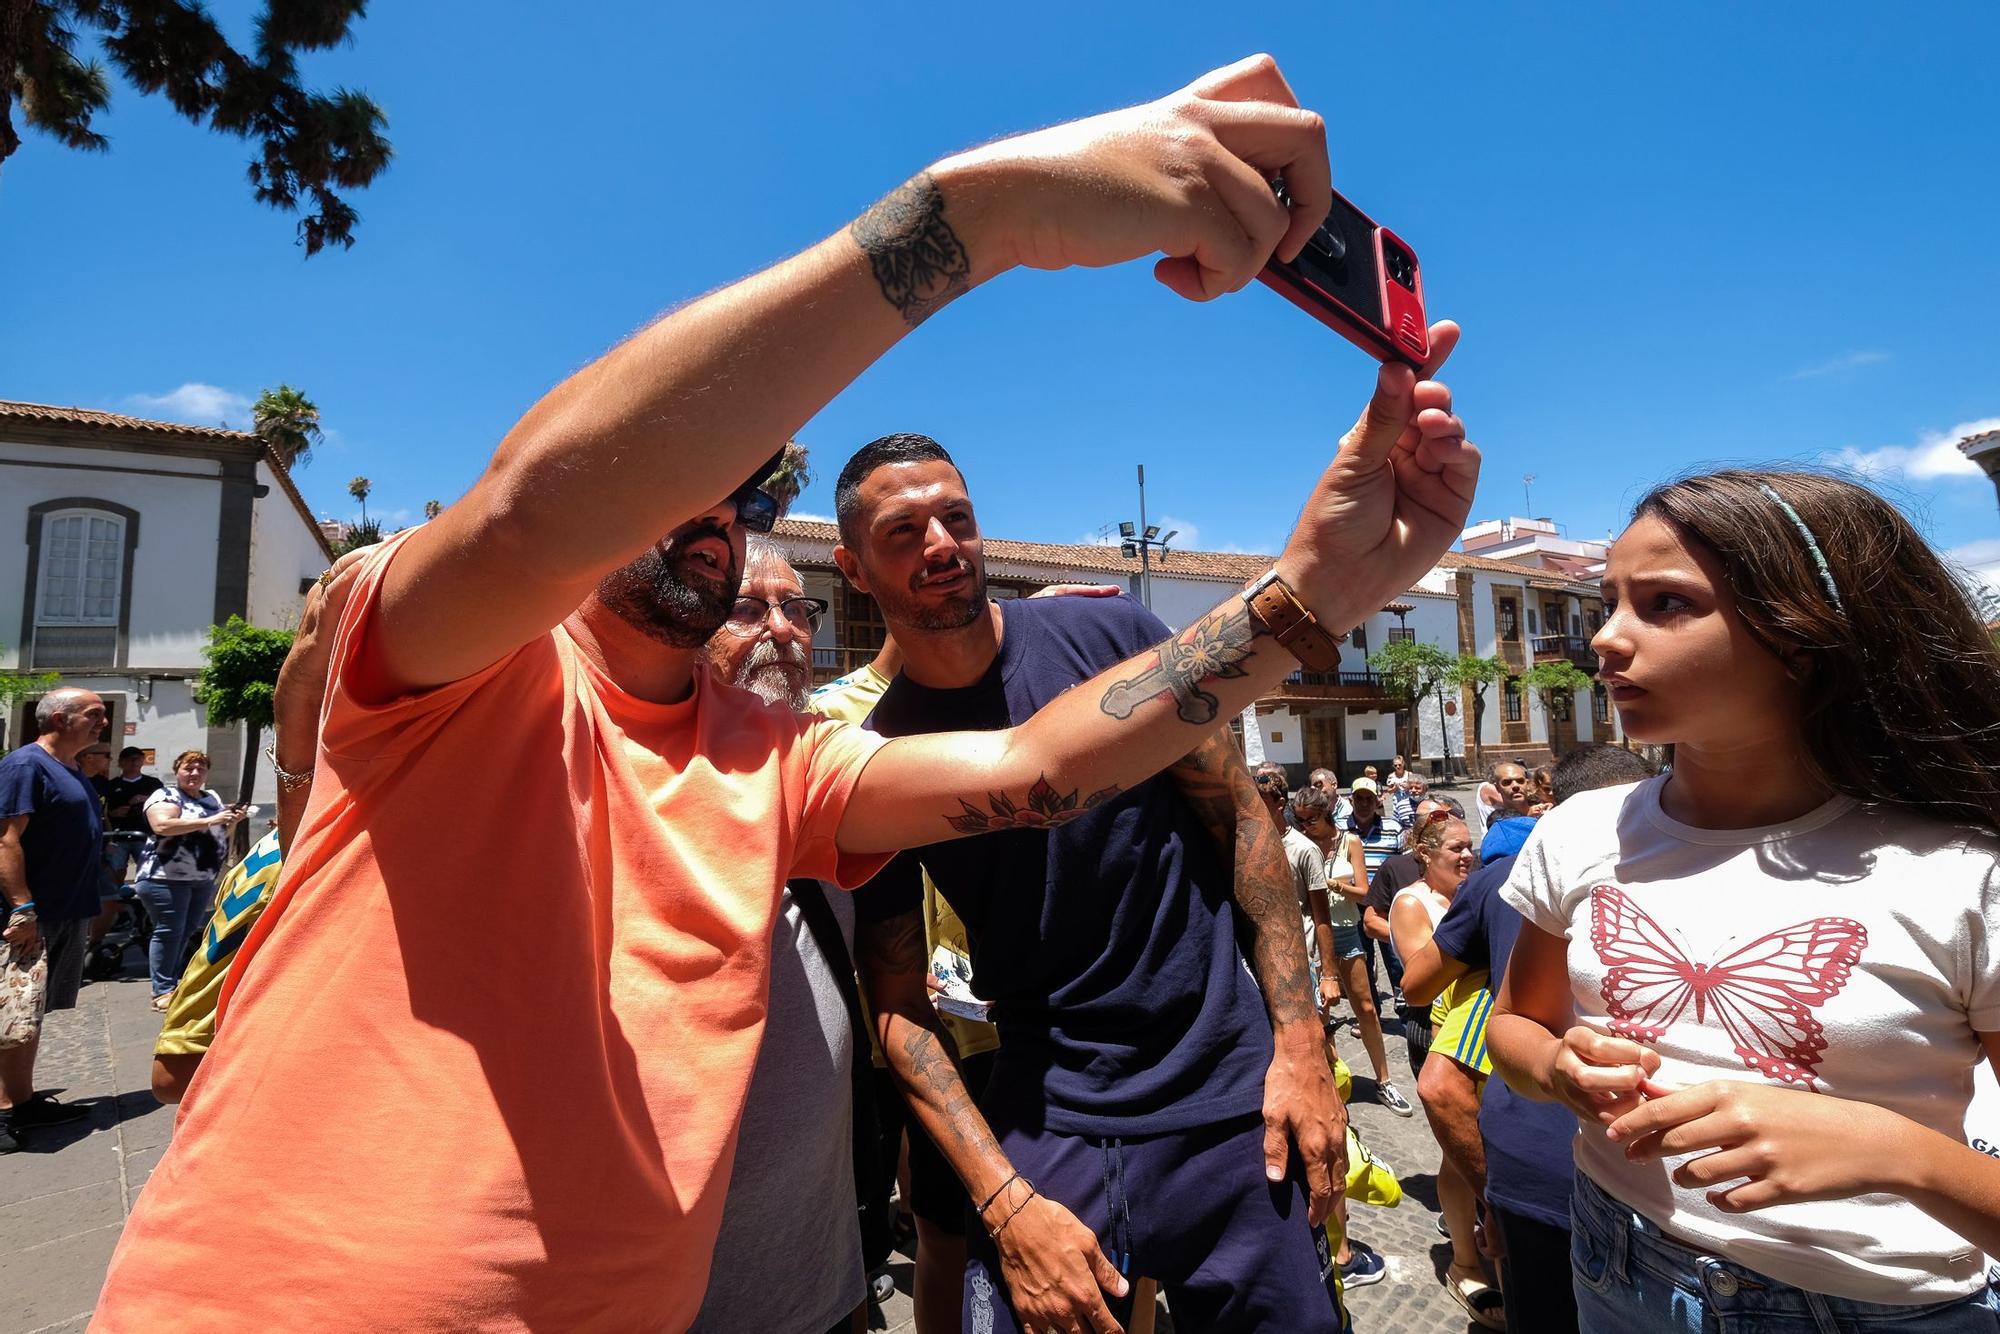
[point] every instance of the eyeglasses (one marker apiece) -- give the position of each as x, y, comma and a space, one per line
756, 508
747, 617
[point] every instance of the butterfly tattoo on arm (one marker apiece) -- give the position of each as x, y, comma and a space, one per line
1763, 994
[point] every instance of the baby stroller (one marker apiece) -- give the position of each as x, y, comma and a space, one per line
131, 926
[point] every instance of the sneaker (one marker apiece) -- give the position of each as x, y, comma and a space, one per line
881, 1286
42, 1109
1444, 1228
1391, 1097
8, 1143
1363, 1267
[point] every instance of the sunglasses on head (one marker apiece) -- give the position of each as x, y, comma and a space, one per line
756, 508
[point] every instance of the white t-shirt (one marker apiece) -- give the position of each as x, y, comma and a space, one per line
1855, 951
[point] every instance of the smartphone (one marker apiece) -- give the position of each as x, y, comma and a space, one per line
1362, 281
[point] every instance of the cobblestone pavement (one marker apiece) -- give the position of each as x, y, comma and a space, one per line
65, 1198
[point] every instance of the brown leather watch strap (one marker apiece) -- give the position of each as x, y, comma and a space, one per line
1279, 611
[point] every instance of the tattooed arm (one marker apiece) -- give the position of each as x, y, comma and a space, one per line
1052, 1263
667, 424
1300, 1105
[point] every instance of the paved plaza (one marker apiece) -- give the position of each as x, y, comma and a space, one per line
64, 1199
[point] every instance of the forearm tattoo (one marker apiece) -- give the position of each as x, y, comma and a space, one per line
889, 953
1211, 649
919, 262
1214, 782
1043, 808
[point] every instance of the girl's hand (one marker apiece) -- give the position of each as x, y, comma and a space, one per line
1792, 1145
1599, 1077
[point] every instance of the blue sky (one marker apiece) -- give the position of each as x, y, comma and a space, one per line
1675, 235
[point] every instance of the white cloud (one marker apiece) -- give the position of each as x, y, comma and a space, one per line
1979, 559
1934, 455
1846, 362
804, 517
197, 405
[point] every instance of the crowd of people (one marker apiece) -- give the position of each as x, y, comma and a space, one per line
999, 932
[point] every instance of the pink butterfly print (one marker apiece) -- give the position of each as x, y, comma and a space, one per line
1763, 995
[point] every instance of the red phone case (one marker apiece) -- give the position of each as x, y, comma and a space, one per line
1403, 333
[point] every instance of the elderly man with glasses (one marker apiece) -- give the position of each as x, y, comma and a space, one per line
793, 1191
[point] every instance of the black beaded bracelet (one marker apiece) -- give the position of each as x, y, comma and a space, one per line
996, 1193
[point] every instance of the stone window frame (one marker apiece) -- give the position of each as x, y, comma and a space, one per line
31, 595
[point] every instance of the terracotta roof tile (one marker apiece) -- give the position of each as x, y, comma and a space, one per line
50, 414
67, 416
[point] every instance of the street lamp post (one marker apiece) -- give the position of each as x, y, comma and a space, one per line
1141, 541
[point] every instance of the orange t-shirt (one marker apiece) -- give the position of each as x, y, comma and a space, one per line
485, 1055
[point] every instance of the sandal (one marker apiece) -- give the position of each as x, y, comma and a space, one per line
1481, 1300
160, 1003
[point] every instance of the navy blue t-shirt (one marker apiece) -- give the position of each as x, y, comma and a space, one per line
64, 839
1107, 945
1529, 1164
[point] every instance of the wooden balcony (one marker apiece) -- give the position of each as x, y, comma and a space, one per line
1574, 649
1363, 690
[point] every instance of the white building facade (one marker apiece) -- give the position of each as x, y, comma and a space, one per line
121, 542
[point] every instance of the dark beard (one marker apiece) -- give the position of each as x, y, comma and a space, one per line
651, 597
906, 608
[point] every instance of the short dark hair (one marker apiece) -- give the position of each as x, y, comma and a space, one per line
1594, 765
129, 752
1310, 801
903, 447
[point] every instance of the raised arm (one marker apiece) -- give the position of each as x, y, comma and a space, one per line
1393, 499
1300, 1105
671, 422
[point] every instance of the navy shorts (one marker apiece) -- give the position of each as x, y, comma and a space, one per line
1190, 1209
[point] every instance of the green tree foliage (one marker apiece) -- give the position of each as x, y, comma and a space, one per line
1471, 670
359, 489
240, 683
310, 146
364, 534
289, 423
19, 685
1550, 679
792, 476
1415, 669
432, 509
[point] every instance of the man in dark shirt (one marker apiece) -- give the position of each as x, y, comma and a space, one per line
1137, 1118
51, 844
124, 811
1529, 1165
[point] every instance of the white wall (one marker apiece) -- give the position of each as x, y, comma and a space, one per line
284, 549
1284, 735
173, 576
1361, 750
1181, 601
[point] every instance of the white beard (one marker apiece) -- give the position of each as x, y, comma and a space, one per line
764, 674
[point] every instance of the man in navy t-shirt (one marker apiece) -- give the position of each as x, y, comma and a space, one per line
51, 842
1143, 1084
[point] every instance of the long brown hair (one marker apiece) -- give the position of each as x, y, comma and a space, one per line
1899, 682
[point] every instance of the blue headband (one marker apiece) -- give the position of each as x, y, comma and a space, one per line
1812, 547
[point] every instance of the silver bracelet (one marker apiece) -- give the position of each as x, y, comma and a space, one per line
285, 776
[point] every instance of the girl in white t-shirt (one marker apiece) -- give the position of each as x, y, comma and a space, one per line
1764, 980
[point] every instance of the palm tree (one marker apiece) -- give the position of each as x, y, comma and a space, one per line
289, 423
359, 489
432, 509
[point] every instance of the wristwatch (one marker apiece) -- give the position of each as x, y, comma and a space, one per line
1274, 606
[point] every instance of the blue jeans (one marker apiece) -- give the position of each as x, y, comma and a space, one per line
178, 908
1631, 1279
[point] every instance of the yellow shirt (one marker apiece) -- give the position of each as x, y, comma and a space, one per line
850, 699
238, 903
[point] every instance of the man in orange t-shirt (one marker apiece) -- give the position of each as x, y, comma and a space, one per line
486, 1072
